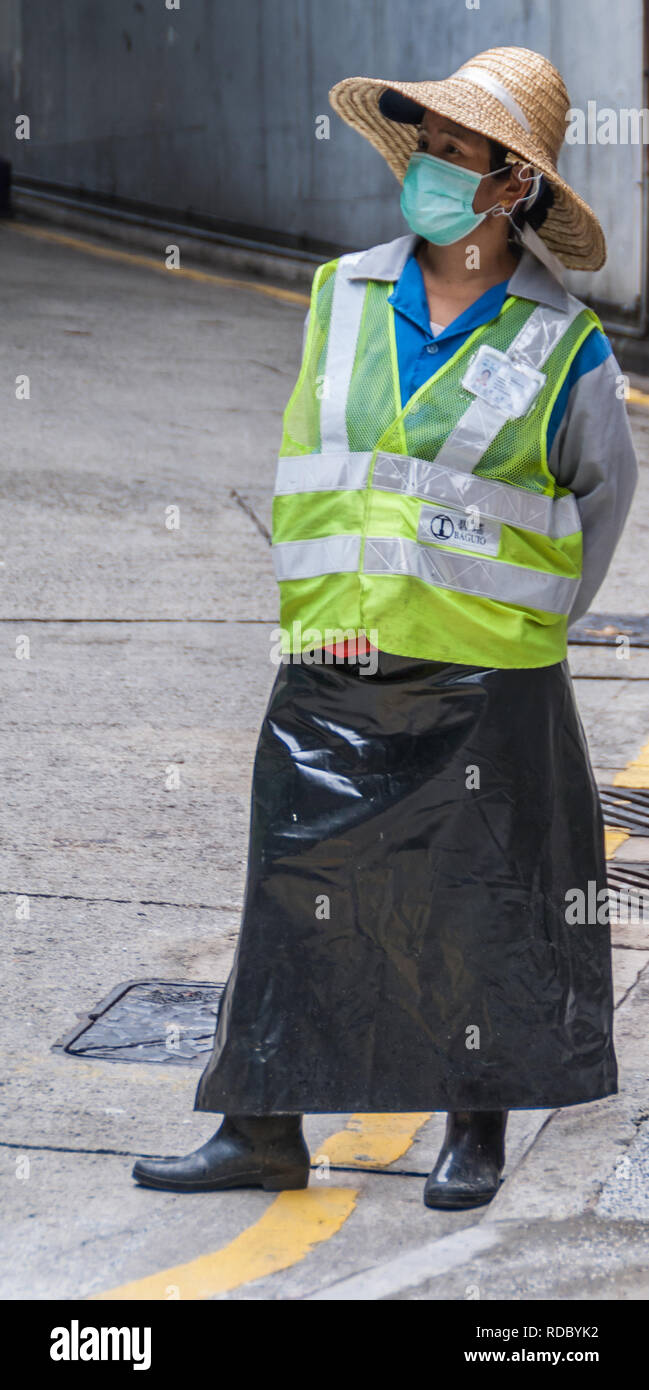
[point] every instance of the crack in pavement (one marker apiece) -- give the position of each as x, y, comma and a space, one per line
634, 983
133, 1153
128, 902
245, 507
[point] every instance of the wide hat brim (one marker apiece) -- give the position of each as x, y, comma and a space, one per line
571, 230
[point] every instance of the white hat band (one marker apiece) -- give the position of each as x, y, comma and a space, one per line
484, 79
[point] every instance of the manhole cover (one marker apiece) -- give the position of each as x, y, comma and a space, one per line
605, 629
626, 807
148, 1021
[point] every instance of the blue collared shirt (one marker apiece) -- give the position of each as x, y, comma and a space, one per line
420, 353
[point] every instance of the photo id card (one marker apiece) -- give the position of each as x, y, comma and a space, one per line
501, 381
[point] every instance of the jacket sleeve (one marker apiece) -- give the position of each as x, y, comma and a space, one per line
592, 454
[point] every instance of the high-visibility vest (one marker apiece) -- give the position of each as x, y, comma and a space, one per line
437, 529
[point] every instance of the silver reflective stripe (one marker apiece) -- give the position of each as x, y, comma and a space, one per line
346, 310
322, 473
494, 501
470, 574
435, 482
480, 423
307, 559
543, 330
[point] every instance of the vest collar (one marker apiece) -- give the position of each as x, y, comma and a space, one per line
530, 280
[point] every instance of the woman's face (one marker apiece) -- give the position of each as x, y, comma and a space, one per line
444, 138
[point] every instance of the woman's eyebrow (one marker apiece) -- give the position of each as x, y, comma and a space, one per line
457, 134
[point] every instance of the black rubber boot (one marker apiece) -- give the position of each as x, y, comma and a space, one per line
469, 1167
247, 1151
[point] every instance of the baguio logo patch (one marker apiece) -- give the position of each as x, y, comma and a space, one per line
442, 528
465, 531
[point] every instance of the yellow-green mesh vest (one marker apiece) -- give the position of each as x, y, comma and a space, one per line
367, 492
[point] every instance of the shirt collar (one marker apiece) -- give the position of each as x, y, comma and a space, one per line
530, 280
409, 298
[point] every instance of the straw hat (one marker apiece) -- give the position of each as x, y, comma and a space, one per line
511, 95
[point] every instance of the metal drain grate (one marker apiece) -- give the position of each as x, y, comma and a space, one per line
603, 630
627, 807
624, 874
628, 892
148, 1021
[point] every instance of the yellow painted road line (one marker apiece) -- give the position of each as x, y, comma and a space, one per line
369, 1140
292, 1224
635, 774
636, 397
613, 838
150, 263
286, 1233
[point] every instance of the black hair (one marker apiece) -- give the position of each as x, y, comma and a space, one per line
535, 215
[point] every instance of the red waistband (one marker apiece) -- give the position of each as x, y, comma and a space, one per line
359, 646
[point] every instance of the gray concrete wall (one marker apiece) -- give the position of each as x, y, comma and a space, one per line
211, 109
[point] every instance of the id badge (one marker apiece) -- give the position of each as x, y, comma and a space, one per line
501, 381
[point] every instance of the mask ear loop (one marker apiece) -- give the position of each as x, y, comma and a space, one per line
499, 211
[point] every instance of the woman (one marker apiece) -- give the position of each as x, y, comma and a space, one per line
455, 471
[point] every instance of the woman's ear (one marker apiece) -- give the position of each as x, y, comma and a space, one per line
519, 185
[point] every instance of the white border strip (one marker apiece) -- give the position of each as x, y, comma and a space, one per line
346, 311
481, 78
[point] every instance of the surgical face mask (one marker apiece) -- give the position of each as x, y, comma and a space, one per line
437, 198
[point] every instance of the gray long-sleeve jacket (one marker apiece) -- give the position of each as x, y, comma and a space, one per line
593, 455
592, 452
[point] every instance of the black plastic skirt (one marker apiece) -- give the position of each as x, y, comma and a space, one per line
405, 942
